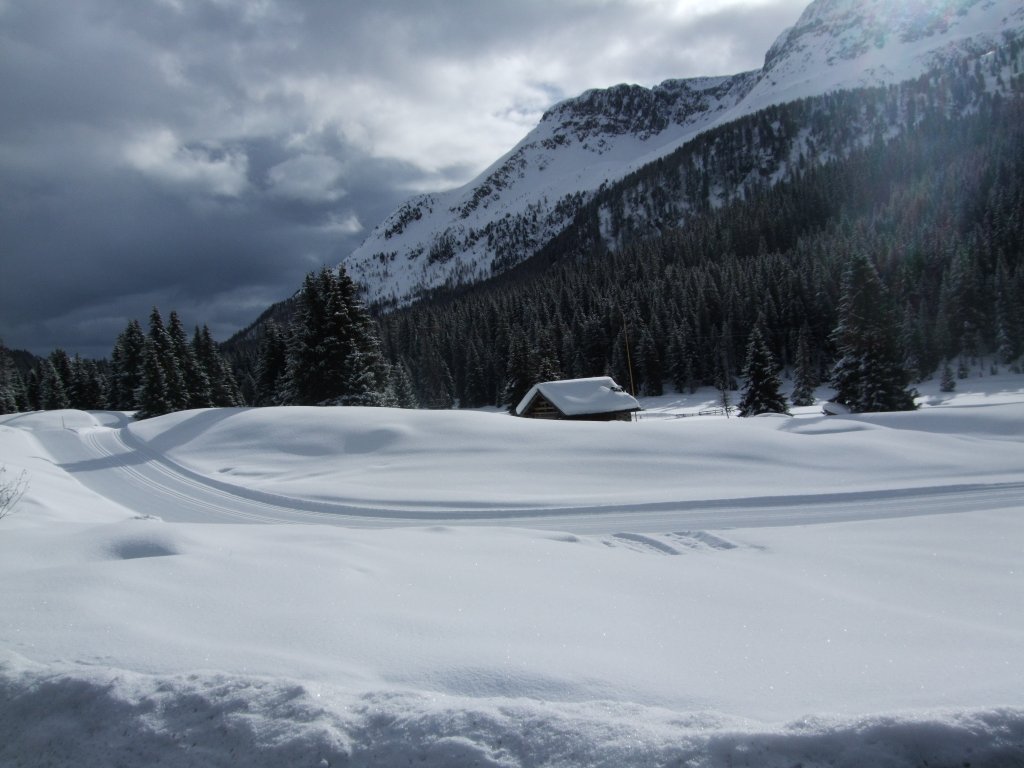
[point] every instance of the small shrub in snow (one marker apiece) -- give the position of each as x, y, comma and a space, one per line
11, 491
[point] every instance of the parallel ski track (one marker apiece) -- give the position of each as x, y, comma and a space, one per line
124, 470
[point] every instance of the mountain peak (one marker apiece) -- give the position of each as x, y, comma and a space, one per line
532, 193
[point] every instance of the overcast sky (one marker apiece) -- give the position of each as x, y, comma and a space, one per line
203, 155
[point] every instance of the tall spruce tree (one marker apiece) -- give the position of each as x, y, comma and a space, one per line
12, 388
197, 382
53, 394
224, 391
869, 374
153, 398
805, 377
401, 385
271, 365
88, 389
161, 348
762, 392
126, 368
334, 355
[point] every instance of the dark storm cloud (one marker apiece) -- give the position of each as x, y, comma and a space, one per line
203, 155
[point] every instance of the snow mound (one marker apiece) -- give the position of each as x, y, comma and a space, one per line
417, 463
86, 717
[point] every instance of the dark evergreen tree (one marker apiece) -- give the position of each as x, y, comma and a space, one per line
762, 392
153, 398
126, 368
545, 360
475, 391
401, 386
948, 380
63, 369
12, 388
520, 374
89, 386
172, 386
334, 355
805, 377
224, 392
271, 365
436, 386
52, 394
869, 375
34, 391
194, 375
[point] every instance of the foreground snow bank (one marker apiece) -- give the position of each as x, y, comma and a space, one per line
103, 717
890, 643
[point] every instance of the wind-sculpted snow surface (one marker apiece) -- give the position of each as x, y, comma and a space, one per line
676, 591
216, 720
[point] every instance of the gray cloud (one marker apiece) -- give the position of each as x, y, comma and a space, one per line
203, 155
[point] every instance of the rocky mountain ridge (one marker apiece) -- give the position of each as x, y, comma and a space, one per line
582, 145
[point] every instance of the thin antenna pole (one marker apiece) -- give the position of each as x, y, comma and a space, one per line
629, 359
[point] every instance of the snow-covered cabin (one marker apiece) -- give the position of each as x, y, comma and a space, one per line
594, 399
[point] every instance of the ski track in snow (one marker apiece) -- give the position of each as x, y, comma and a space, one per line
117, 466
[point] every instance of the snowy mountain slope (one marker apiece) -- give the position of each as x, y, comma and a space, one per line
528, 196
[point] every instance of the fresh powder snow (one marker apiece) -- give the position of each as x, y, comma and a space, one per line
348, 586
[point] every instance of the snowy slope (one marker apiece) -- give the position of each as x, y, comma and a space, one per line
529, 195
229, 587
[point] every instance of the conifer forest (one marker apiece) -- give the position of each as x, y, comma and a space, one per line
934, 215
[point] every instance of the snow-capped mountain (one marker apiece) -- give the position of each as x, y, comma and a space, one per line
532, 193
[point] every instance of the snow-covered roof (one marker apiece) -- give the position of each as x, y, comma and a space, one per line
576, 397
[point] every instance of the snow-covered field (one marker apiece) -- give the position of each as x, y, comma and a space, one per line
329, 587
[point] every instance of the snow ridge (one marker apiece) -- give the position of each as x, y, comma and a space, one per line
532, 193
89, 717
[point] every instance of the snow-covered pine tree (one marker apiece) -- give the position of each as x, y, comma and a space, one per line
64, 371
88, 391
308, 348
33, 390
197, 382
271, 365
805, 377
12, 388
436, 386
762, 392
224, 392
869, 374
152, 397
334, 355
401, 385
474, 387
52, 394
519, 370
948, 381
161, 348
126, 367
367, 373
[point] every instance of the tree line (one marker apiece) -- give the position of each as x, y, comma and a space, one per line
328, 354
151, 372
